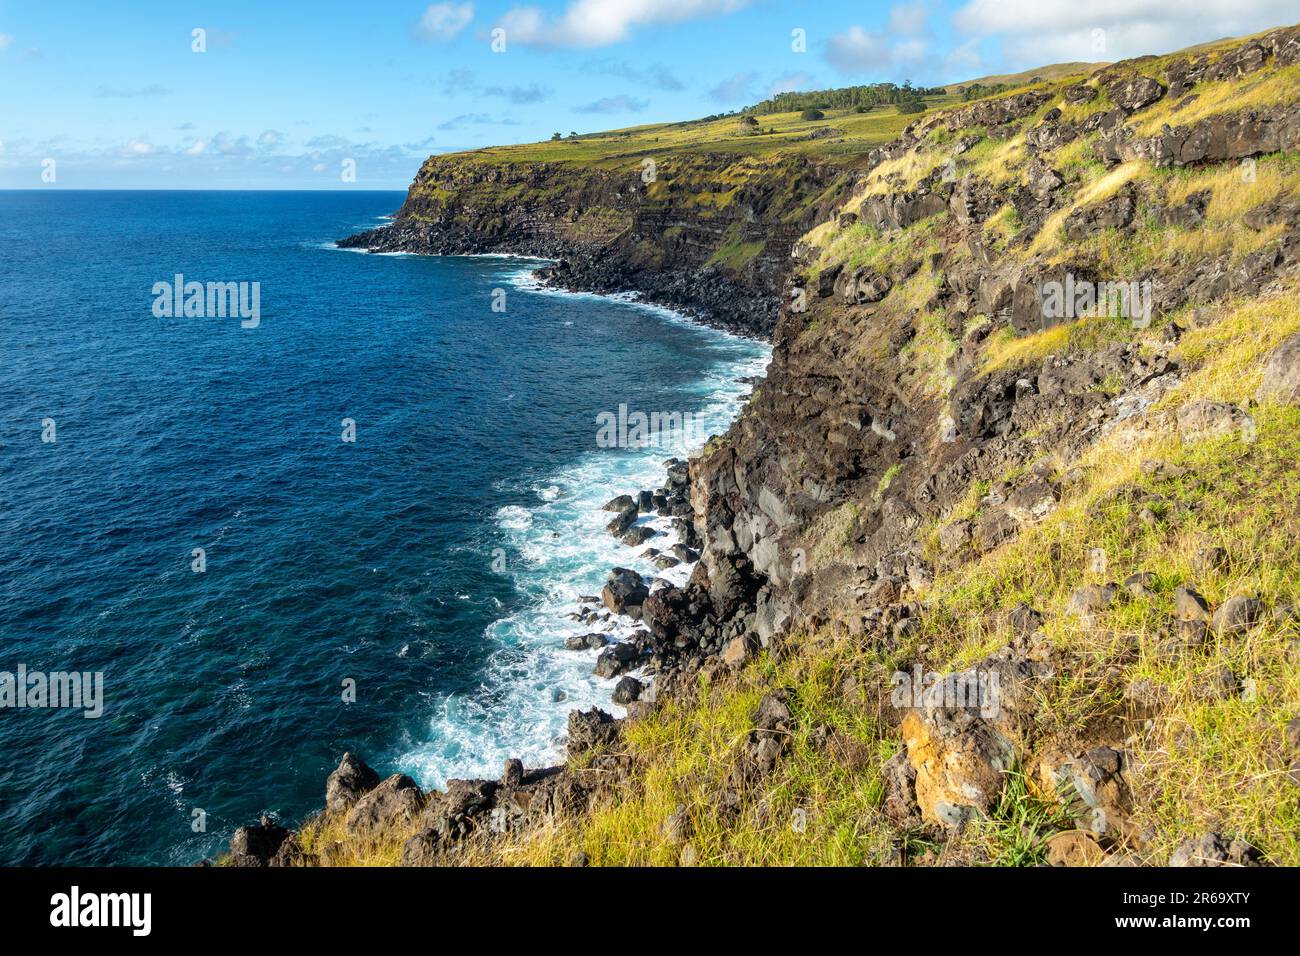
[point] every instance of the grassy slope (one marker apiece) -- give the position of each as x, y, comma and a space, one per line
789, 135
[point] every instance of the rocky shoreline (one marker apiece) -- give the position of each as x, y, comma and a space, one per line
469, 810
664, 656
706, 296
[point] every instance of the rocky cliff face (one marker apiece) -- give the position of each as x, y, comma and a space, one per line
1029, 423
707, 234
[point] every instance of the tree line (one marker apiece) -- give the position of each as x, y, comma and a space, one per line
907, 97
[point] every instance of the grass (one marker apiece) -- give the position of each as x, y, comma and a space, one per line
1205, 762
1005, 349
1263, 90
782, 133
832, 534
816, 807
1016, 832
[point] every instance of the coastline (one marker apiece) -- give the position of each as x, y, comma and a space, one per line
568, 605
702, 296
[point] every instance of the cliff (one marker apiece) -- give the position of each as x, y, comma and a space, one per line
708, 234
999, 562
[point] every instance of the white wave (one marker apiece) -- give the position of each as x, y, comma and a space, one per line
559, 551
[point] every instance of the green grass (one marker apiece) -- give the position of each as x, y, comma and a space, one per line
861, 132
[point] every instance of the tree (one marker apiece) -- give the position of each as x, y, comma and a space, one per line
556, 136
812, 114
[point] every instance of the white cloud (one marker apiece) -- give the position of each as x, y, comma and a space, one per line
594, 23
196, 148
909, 19
859, 51
790, 83
884, 53
613, 104
964, 60
139, 147
1037, 32
442, 21
6, 41
270, 138
737, 88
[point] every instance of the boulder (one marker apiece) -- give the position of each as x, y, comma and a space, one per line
1095, 789
1032, 501
1282, 374
616, 659
1190, 606
627, 690
591, 729
395, 803
638, 535
624, 592
1213, 849
585, 642
954, 536
349, 783
1237, 614
683, 553
1079, 94
1140, 584
899, 804
1074, 848
464, 798
960, 764
513, 775
1043, 180
619, 525
1201, 418
1023, 620
736, 651
1134, 93
1113, 213
1090, 600
620, 504
862, 286
256, 845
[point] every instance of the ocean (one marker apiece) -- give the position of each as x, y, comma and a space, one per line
356, 520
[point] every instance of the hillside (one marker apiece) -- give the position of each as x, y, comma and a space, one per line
988, 574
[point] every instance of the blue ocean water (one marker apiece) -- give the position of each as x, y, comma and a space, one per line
433, 561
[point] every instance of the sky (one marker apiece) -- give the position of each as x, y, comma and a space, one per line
350, 95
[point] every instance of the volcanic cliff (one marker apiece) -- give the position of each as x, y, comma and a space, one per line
1087, 513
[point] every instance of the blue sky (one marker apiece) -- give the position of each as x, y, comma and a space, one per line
284, 94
